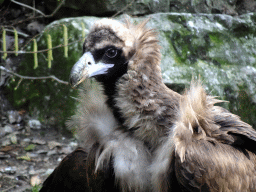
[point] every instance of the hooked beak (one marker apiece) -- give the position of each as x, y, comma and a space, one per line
85, 68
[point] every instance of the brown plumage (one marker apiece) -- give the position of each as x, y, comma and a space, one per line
76, 172
109, 159
143, 99
212, 149
150, 137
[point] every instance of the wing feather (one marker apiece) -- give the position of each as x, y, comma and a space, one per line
213, 146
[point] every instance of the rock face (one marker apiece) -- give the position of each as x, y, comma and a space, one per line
220, 49
143, 7
229, 7
109, 7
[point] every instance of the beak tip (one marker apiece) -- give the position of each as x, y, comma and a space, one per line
79, 71
73, 79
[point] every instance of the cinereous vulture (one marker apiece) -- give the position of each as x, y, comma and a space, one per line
139, 135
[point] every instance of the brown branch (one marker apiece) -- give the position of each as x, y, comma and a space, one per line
29, 7
34, 78
20, 33
42, 14
8, 188
128, 5
57, 8
41, 51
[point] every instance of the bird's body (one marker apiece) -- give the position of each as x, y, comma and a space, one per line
149, 137
212, 149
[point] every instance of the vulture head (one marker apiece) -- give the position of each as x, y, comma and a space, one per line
105, 54
111, 48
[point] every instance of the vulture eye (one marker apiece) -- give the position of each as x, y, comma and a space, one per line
111, 53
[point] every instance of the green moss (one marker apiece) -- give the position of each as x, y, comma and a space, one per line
242, 105
172, 47
30, 147
36, 188
215, 39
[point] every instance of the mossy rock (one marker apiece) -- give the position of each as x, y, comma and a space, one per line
220, 49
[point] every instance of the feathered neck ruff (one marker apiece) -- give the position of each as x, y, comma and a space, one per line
142, 98
147, 57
